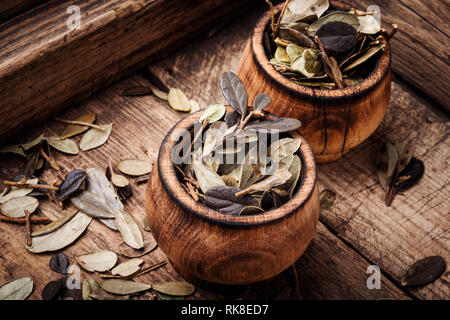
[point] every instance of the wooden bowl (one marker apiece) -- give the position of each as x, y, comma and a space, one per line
206, 245
333, 121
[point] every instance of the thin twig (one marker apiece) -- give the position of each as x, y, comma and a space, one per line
393, 32
28, 227
328, 64
30, 185
272, 24
80, 123
199, 134
281, 16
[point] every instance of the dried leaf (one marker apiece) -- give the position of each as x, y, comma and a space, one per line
118, 180
387, 161
160, 94
15, 192
89, 287
251, 210
230, 181
18, 289
278, 178
364, 57
223, 199
271, 200
424, 271
213, 113
53, 289
369, 24
137, 91
214, 136
13, 149
281, 55
163, 296
63, 145
178, 100
129, 230
206, 177
15, 208
194, 106
54, 225
327, 198
59, 263
410, 175
231, 118
337, 16
281, 125
283, 148
175, 288
123, 287
234, 91
149, 245
298, 9
94, 138
100, 294
71, 184
337, 36
133, 167
100, 261
128, 268
33, 143
62, 237
92, 205
294, 168
289, 34
74, 129
262, 101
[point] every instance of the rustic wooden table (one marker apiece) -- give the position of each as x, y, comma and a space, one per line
356, 232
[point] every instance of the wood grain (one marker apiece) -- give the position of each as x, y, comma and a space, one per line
45, 67
420, 48
11, 8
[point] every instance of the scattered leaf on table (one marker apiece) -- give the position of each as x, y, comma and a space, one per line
15, 192
123, 287
119, 180
18, 289
223, 199
133, 167
128, 268
337, 36
163, 296
206, 177
100, 261
410, 175
89, 286
131, 234
101, 294
160, 94
71, 184
337, 16
13, 149
327, 198
194, 106
213, 112
62, 236
424, 271
387, 161
92, 205
33, 143
75, 129
149, 245
54, 225
178, 100
59, 263
234, 91
282, 125
137, 91
94, 138
175, 288
63, 145
53, 289
15, 207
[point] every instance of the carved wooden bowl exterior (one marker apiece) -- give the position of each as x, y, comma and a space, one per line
206, 245
333, 121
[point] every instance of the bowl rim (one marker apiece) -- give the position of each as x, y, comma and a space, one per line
167, 174
379, 73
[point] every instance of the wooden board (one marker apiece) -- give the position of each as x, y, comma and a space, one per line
12, 8
44, 66
420, 48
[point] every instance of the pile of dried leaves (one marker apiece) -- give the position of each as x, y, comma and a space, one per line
229, 167
317, 44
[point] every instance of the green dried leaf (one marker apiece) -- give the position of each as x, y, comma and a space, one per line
294, 168
33, 143
424, 271
294, 52
63, 145
278, 178
149, 245
49, 228
18, 289
281, 55
62, 237
129, 230
214, 136
94, 138
89, 287
123, 287
283, 148
133, 167
213, 113
327, 198
194, 106
100, 261
92, 205
337, 16
160, 94
206, 177
234, 91
128, 268
175, 288
13, 149
15, 207
178, 100
75, 129
387, 162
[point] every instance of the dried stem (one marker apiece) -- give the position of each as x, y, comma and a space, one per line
28, 227
277, 26
199, 134
246, 120
30, 185
80, 123
36, 220
328, 64
272, 24
393, 32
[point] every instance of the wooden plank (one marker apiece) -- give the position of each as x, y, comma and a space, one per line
45, 67
419, 49
12, 8
329, 269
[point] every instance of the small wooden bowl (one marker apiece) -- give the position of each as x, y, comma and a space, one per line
204, 244
333, 121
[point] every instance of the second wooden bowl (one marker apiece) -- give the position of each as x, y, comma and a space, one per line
205, 244
333, 121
